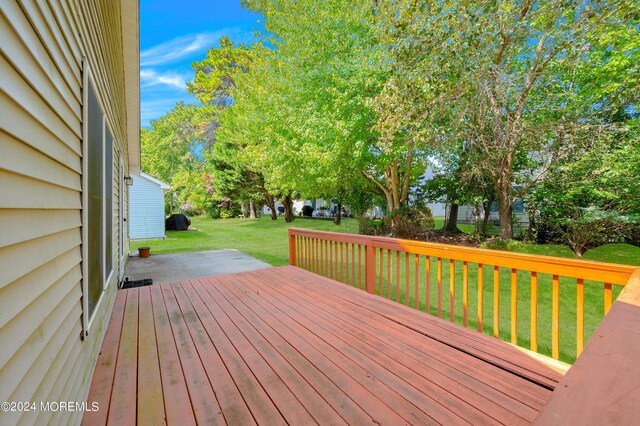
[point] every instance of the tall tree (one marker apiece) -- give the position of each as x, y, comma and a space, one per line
504, 76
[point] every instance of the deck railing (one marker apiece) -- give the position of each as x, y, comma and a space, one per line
541, 298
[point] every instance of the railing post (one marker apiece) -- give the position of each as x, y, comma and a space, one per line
370, 268
292, 249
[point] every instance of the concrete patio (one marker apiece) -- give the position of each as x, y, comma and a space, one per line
183, 266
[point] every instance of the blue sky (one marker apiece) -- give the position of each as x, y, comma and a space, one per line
173, 34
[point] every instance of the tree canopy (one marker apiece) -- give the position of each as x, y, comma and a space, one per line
505, 100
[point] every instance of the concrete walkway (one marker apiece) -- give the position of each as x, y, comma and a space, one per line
183, 266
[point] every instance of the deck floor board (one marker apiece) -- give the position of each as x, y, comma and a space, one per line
286, 346
396, 335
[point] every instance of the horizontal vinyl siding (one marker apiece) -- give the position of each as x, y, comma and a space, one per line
146, 212
43, 357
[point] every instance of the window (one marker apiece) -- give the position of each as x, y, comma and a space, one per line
94, 256
97, 203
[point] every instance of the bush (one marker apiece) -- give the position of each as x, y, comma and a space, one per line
411, 222
226, 213
376, 227
214, 212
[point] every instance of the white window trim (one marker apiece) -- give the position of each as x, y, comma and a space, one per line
87, 321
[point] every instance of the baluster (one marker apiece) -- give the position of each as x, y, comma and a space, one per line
496, 301
465, 293
406, 278
389, 274
555, 317
514, 306
580, 316
359, 266
427, 272
353, 265
330, 259
452, 290
323, 264
608, 297
381, 273
534, 311
480, 295
397, 276
346, 256
439, 287
340, 276
327, 261
296, 251
416, 297
307, 246
335, 266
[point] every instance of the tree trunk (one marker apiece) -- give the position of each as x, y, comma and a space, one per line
253, 212
338, 217
288, 209
271, 203
504, 209
452, 219
476, 218
487, 215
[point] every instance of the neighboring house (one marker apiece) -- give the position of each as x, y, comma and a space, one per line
298, 204
146, 208
466, 214
69, 120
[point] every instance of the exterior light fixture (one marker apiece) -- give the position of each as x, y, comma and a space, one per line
128, 180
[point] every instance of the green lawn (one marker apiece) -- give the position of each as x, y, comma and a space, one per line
263, 239
267, 240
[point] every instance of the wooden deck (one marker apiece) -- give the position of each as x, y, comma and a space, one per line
286, 346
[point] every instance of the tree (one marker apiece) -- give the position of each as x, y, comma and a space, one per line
326, 75
172, 152
504, 76
215, 86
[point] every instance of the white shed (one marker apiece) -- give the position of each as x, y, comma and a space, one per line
146, 207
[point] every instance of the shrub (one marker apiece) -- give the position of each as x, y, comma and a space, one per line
411, 222
593, 227
378, 227
227, 213
214, 212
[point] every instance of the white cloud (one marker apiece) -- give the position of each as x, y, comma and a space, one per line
182, 47
150, 77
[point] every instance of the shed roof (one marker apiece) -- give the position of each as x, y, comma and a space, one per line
165, 186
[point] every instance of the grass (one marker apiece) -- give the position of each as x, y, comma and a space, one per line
267, 240
263, 239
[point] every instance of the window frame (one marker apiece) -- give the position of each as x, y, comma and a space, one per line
87, 318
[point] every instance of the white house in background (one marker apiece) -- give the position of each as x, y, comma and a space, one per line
70, 120
146, 207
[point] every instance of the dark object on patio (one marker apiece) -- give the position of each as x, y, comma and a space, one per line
177, 222
280, 209
307, 211
136, 283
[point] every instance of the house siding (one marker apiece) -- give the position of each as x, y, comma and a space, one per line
146, 212
43, 356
